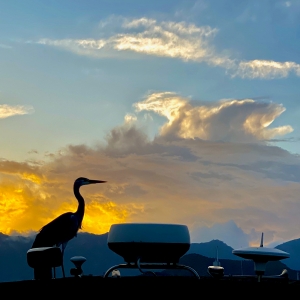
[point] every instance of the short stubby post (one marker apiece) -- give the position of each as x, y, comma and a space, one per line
77, 261
42, 260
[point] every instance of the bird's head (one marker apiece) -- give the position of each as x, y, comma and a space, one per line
84, 181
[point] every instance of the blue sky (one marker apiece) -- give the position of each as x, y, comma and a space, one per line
94, 73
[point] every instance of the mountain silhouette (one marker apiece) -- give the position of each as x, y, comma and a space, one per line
208, 249
292, 247
13, 263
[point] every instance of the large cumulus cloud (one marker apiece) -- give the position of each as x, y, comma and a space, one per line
189, 173
227, 120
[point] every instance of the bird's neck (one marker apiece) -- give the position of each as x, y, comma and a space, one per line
80, 209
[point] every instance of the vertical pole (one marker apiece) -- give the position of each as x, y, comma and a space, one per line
262, 240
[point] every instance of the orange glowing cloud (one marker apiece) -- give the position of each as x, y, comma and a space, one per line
16, 201
28, 201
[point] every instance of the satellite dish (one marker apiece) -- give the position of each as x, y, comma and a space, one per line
260, 256
216, 271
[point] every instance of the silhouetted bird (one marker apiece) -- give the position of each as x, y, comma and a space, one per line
64, 228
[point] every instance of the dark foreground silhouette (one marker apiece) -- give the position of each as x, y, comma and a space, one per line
148, 286
13, 265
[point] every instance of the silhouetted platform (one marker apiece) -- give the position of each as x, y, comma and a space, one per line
92, 287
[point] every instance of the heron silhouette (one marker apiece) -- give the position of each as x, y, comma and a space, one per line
62, 229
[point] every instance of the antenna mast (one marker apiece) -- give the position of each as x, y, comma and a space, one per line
262, 240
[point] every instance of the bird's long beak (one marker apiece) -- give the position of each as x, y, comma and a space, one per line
96, 181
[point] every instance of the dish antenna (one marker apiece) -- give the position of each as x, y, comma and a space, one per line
260, 256
149, 246
216, 271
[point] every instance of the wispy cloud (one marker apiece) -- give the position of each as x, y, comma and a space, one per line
266, 69
287, 3
174, 40
9, 110
227, 120
168, 39
3, 46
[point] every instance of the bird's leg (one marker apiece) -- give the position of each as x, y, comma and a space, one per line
63, 246
62, 263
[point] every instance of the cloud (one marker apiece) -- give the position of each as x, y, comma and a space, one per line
227, 232
130, 118
24, 170
3, 46
167, 39
180, 40
176, 177
227, 120
231, 234
26, 204
9, 111
266, 69
288, 3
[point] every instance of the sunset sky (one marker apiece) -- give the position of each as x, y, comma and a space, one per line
189, 109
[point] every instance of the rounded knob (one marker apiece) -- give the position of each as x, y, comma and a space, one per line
78, 261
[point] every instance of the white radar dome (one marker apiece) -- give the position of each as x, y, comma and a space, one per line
149, 242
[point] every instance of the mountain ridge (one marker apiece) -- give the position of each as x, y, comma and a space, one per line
13, 249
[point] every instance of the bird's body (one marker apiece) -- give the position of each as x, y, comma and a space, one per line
57, 232
65, 227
